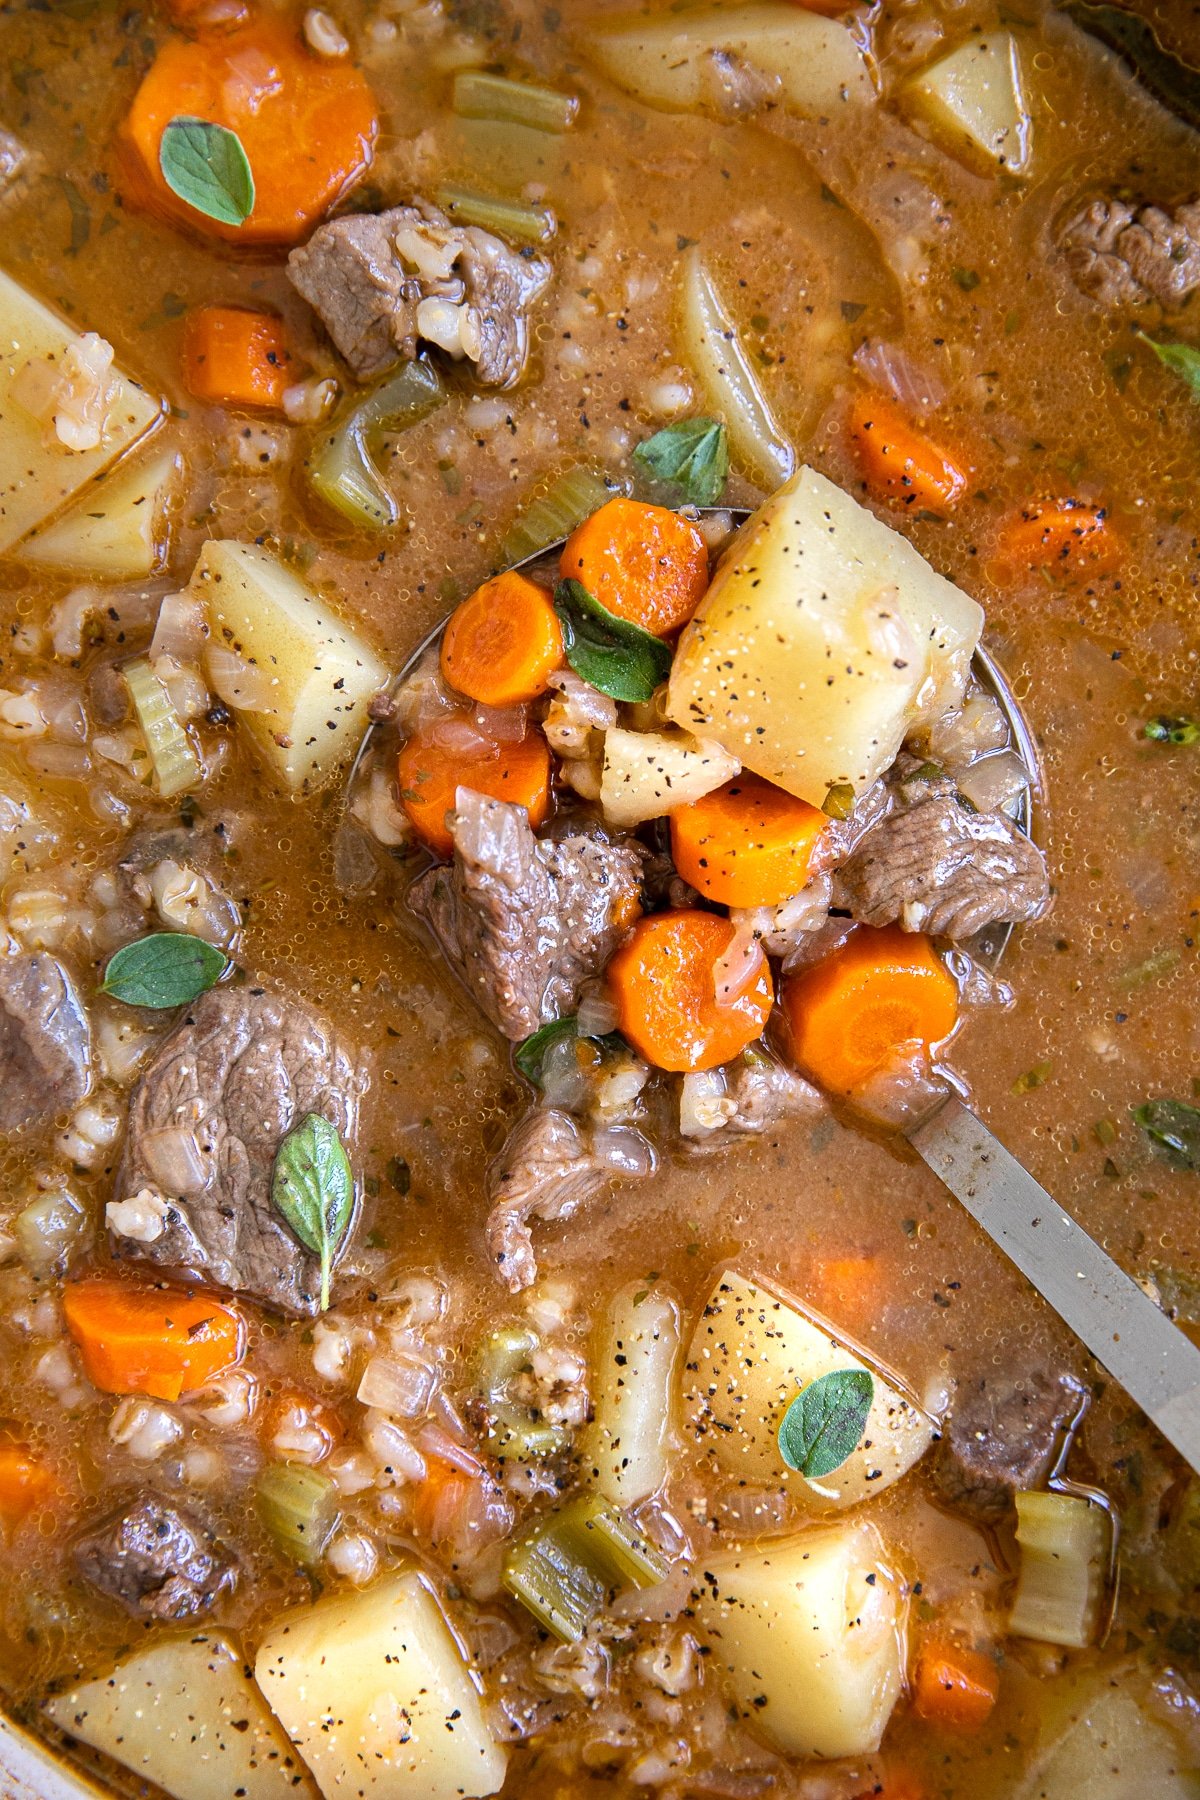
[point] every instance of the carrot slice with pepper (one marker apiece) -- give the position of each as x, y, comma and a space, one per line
26, 1484
954, 1688
747, 843
161, 1341
503, 643
307, 125
899, 462
663, 981
431, 774
234, 357
1066, 537
643, 563
884, 990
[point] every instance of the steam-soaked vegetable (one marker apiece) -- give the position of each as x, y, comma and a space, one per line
1103, 1737
1066, 1546
299, 1507
565, 1568
974, 102
627, 1449
117, 530
343, 467
650, 773
710, 346
173, 759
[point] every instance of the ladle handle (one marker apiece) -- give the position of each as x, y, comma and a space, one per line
1121, 1326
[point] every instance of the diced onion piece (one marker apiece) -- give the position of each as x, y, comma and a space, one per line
242, 685
994, 781
179, 630
710, 346
397, 1385
597, 1014
175, 763
1066, 1544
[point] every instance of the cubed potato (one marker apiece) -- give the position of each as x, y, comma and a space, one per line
649, 773
322, 673
809, 1635
375, 1692
974, 103
1100, 1742
666, 58
38, 476
117, 529
822, 637
184, 1714
752, 1351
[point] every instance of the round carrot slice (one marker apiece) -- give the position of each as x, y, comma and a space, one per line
503, 643
644, 563
663, 981
747, 843
883, 991
431, 774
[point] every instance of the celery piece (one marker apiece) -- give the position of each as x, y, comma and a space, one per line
570, 499
527, 224
342, 468
515, 1431
567, 1565
299, 1508
175, 763
1066, 1545
478, 95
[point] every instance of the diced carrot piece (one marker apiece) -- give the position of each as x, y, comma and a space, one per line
430, 776
896, 1784
954, 1688
900, 463
26, 1484
747, 843
663, 981
503, 643
308, 126
643, 563
1066, 537
233, 357
884, 990
162, 1341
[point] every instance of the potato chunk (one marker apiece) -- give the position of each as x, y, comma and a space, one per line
374, 1691
822, 638
39, 474
974, 103
666, 58
751, 1353
116, 530
185, 1715
809, 1633
321, 672
649, 773
1103, 1742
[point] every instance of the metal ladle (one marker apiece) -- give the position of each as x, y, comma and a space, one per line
1106, 1309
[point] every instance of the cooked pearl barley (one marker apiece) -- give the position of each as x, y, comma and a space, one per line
308, 402
142, 1218
145, 1430
419, 1300
395, 1456
353, 1556
323, 34
56, 1370
94, 1129
333, 1349
228, 1401
202, 1466
352, 1470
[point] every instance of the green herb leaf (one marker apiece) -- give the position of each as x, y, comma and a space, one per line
530, 1054
693, 454
620, 659
1173, 1128
1032, 1078
825, 1421
206, 166
1182, 359
168, 968
967, 279
312, 1186
1172, 728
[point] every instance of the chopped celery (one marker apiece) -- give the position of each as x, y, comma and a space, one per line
342, 469
175, 763
478, 95
572, 497
527, 224
1066, 1547
516, 1431
299, 1508
567, 1565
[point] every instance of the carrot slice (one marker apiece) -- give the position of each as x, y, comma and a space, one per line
503, 643
308, 126
954, 1688
644, 563
899, 462
431, 774
234, 357
26, 1484
664, 984
747, 843
1063, 536
161, 1341
883, 990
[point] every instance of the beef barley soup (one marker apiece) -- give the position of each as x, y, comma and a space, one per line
504, 826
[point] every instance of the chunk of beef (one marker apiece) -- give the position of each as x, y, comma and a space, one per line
157, 1561
12, 160
1126, 256
547, 1169
527, 921
381, 283
1003, 1434
932, 864
241, 1070
45, 1043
